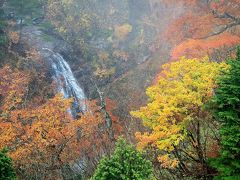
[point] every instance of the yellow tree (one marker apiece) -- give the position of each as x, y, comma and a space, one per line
72, 19
175, 115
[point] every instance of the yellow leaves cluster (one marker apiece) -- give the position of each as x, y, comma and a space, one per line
13, 84
104, 72
61, 29
168, 162
121, 31
175, 100
66, 18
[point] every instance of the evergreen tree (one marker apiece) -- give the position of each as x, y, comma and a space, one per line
6, 168
227, 110
125, 164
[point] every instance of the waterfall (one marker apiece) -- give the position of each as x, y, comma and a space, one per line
66, 82
69, 87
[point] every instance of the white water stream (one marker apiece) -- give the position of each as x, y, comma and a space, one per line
66, 82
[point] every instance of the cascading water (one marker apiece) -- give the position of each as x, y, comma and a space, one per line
69, 87
66, 82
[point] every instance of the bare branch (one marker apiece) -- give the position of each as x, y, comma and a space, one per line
108, 118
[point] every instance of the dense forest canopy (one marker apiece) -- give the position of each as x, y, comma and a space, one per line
119, 89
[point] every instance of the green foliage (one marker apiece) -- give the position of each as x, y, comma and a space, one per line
24, 8
227, 111
125, 164
2, 20
6, 168
3, 37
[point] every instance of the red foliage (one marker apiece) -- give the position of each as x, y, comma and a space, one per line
203, 27
201, 47
111, 105
213, 151
46, 135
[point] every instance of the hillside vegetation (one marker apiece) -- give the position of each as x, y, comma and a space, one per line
120, 89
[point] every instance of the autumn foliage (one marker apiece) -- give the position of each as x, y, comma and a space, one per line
121, 31
175, 115
203, 27
43, 139
199, 47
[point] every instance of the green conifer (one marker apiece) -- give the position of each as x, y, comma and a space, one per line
6, 168
227, 110
126, 163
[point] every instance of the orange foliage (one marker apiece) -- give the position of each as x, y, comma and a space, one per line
93, 134
34, 135
200, 47
14, 37
117, 126
203, 27
13, 85
34, 55
191, 25
213, 150
122, 31
47, 136
229, 6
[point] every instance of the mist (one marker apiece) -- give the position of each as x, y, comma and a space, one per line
118, 89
